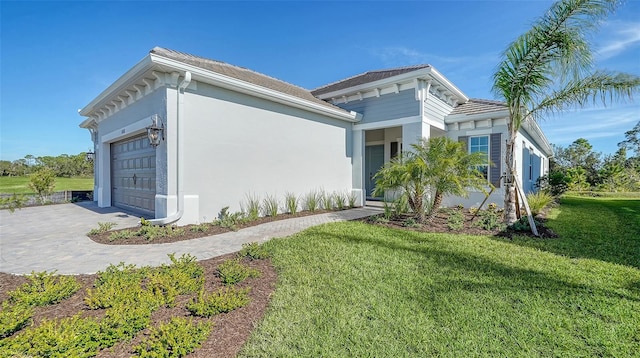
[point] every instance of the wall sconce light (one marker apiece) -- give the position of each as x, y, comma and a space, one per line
90, 156
155, 132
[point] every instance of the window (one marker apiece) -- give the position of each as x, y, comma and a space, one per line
481, 145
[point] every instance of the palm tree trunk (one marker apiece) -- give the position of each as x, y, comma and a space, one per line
437, 201
509, 181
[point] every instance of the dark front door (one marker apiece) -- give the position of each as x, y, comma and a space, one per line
374, 160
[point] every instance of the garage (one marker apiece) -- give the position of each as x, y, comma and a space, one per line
133, 175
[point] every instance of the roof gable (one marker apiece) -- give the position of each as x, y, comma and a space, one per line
367, 77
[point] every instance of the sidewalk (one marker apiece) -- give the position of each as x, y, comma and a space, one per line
54, 237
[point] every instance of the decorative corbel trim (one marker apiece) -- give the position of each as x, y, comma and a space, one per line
148, 86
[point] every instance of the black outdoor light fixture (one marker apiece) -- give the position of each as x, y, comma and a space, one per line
155, 132
91, 156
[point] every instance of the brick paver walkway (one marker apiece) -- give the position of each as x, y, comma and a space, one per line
54, 238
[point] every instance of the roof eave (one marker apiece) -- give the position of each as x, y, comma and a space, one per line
152, 60
424, 73
463, 117
534, 130
121, 83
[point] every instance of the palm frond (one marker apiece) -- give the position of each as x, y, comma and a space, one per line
601, 87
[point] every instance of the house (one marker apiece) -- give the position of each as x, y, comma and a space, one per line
223, 133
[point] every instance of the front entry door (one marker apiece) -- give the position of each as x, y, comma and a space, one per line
374, 160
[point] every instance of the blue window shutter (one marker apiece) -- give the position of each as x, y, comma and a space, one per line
495, 171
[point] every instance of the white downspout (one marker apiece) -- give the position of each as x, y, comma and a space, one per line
170, 219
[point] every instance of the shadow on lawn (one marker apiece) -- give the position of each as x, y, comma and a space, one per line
480, 274
601, 229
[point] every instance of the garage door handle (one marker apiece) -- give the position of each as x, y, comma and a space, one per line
134, 179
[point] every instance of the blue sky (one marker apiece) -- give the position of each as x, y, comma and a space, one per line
57, 56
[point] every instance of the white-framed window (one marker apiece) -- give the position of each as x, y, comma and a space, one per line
481, 144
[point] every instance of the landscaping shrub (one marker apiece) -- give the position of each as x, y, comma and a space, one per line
203, 227
151, 233
353, 198
455, 220
223, 300
183, 276
102, 228
13, 202
340, 200
251, 207
229, 220
523, 224
233, 271
291, 202
44, 289
326, 200
122, 235
311, 201
67, 337
270, 206
539, 201
122, 323
13, 317
176, 338
411, 222
253, 251
490, 219
120, 284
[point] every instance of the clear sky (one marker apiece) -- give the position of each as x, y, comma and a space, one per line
57, 56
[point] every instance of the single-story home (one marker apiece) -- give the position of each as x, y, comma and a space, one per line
178, 137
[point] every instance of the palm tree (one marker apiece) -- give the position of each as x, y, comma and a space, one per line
550, 69
434, 168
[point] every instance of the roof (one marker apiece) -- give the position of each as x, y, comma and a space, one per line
242, 74
367, 77
477, 106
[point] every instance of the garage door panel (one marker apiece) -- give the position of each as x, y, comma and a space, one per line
134, 175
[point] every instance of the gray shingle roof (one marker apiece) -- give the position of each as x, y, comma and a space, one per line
367, 77
242, 74
477, 106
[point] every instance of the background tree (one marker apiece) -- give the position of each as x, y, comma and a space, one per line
579, 154
434, 168
42, 182
549, 68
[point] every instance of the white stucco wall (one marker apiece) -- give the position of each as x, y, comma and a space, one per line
237, 145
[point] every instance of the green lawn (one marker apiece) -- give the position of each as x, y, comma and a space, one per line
351, 289
606, 229
20, 185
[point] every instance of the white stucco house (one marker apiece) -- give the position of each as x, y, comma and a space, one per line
227, 132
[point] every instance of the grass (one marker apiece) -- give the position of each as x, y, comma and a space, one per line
20, 185
606, 229
352, 289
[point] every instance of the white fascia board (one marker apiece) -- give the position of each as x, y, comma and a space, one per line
423, 73
533, 129
450, 86
476, 117
217, 79
88, 123
119, 85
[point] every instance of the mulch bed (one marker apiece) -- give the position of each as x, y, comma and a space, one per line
229, 332
439, 224
103, 238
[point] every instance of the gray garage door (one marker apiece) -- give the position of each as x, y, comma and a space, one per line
133, 175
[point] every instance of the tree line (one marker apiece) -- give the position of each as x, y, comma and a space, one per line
578, 168
64, 165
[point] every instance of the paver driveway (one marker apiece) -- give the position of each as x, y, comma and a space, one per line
53, 237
